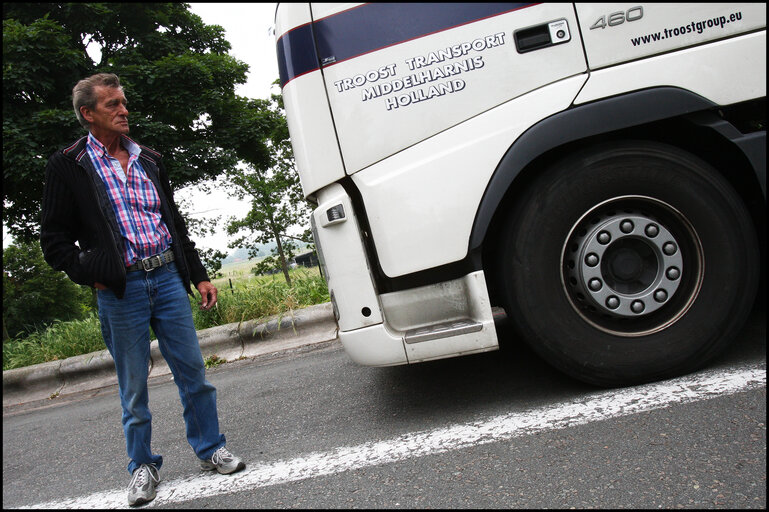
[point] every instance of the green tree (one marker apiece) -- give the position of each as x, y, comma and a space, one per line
271, 183
34, 295
176, 73
211, 258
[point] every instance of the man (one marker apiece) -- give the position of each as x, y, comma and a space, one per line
112, 196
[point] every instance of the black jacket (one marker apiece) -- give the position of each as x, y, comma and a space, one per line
76, 208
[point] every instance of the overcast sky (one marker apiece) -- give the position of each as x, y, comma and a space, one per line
249, 27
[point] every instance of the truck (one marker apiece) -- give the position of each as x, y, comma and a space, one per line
592, 175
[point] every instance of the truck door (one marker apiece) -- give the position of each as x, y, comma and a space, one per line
396, 74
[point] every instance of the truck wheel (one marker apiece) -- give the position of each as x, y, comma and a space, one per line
629, 262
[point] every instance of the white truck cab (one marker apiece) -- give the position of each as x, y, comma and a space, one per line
594, 172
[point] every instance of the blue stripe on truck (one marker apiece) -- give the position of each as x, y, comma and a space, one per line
296, 53
351, 33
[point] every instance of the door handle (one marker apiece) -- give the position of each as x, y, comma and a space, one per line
541, 36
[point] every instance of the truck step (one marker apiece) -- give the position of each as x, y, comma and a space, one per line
442, 330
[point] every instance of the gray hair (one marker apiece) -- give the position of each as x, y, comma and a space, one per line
83, 94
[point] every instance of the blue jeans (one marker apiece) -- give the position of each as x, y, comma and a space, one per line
158, 299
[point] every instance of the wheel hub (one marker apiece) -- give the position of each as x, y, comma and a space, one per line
625, 264
628, 265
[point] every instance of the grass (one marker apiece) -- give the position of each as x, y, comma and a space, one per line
255, 298
59, 341
249, 298
213, 361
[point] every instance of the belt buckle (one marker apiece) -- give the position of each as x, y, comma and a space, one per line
147, 263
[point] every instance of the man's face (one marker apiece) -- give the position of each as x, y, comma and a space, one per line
110, 115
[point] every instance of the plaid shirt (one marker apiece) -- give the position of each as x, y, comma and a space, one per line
134, 200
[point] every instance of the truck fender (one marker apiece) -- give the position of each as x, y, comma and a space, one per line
602, 116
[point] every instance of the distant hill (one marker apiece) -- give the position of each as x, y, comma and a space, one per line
236, 256
240, 255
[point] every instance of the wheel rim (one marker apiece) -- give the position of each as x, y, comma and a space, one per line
632, 266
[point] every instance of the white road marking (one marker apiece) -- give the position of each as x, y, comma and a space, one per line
594, 407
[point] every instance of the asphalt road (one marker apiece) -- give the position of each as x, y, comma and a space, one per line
704, 453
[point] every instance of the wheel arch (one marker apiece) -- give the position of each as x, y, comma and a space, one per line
666, 114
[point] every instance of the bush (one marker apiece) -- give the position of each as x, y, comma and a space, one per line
35, 295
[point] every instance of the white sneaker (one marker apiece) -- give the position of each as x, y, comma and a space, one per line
222, 461
142, 487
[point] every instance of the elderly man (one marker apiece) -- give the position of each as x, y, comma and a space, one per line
112, 196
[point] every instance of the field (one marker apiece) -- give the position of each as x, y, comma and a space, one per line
235, 270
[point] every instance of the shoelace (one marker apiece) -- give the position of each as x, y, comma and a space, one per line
140, 476
221, 455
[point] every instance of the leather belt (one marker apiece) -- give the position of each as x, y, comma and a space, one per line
153, 262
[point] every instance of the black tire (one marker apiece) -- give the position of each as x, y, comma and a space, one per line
569, 234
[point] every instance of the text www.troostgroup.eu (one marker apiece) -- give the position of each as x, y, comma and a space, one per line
695, 26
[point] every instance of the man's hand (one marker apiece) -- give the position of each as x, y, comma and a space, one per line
99, 286
208, 294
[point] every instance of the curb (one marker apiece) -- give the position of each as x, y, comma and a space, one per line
280, 333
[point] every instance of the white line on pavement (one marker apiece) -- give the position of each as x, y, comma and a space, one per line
593, 407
